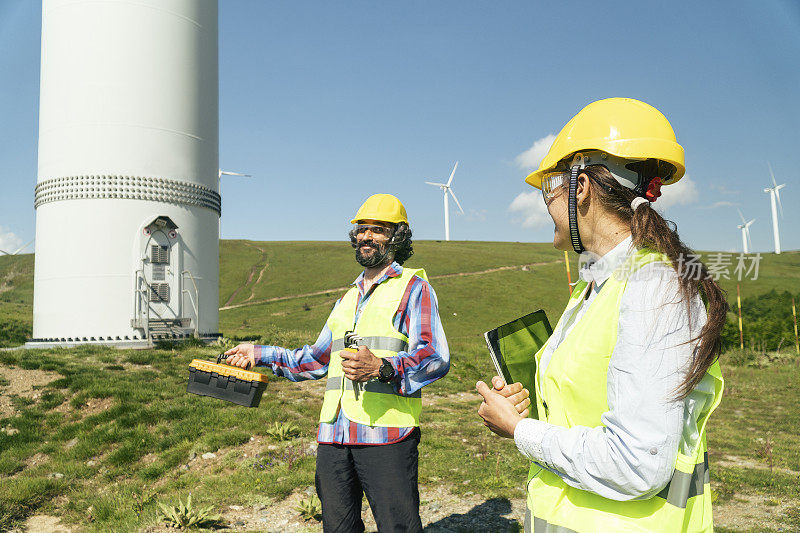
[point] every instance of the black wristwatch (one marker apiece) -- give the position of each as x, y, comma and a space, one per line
386, 372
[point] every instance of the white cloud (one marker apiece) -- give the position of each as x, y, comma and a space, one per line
720, 204
8, 241
530, 158
530, 209
682, 193
476, 214
721, 189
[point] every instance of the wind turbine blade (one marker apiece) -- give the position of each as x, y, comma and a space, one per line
741, 215
22, 247
778, 198
456, 199
437, 184
747, 236
771, 175
453, 173
747, 224
229, 173
5, 252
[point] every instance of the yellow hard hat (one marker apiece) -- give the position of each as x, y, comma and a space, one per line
622, 127
382, 207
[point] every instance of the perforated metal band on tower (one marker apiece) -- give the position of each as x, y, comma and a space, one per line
127, 187
572, 206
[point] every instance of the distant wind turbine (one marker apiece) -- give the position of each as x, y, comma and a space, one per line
775, 197
18, 249
229, 173
745, 227
447, 189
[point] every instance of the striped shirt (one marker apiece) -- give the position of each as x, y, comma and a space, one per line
426, 360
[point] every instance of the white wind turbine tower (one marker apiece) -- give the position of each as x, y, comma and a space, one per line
775, 197
745, 227
446, 189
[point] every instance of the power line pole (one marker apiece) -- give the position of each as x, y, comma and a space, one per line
739, 303
794, 315
569, 276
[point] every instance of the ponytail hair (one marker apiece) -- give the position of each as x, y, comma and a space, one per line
651, 230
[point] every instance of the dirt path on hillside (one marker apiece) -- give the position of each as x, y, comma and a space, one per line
253, 287
441, 510
262, 263
44, 524
342, 289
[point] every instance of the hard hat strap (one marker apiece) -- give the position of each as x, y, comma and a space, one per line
572, 208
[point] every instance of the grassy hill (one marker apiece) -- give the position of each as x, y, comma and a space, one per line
262, 283
470, 304
16, 299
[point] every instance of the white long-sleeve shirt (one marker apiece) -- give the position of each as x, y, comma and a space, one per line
632, 455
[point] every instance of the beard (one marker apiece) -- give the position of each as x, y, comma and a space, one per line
371, 257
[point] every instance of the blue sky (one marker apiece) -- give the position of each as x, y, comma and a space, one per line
326, 103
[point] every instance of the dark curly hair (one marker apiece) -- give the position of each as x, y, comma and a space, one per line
399, 243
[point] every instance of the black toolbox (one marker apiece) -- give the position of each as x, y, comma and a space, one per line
226, 382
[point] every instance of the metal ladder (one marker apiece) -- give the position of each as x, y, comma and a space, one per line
158, 327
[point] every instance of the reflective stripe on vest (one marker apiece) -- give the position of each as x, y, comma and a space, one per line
374, 343
372, 403
541, 526
572, 391
684, 485
370, 386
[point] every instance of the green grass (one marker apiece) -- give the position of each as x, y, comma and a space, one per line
16, 278
119, 460
149, 427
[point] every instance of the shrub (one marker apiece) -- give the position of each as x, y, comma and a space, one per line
282, 431
310, 509
739, 357
766, 320
186, 516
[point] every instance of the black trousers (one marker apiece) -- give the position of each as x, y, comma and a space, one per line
387, 474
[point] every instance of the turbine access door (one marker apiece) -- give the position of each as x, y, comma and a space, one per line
158, 282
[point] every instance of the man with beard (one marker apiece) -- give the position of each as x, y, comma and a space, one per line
369, 425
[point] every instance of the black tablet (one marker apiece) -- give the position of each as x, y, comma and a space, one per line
512, 347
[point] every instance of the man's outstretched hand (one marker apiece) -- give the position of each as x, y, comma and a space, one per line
242, 355
360, 366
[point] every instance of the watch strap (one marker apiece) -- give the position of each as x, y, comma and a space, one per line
386, 372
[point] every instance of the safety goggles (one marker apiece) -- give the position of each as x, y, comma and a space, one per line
552, 183
372, 228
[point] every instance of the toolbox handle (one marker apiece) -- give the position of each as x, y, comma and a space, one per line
222, 358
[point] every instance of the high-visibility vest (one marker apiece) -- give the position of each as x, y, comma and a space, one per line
375, 403
572, 392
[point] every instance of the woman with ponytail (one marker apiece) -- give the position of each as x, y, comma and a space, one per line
629, 377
